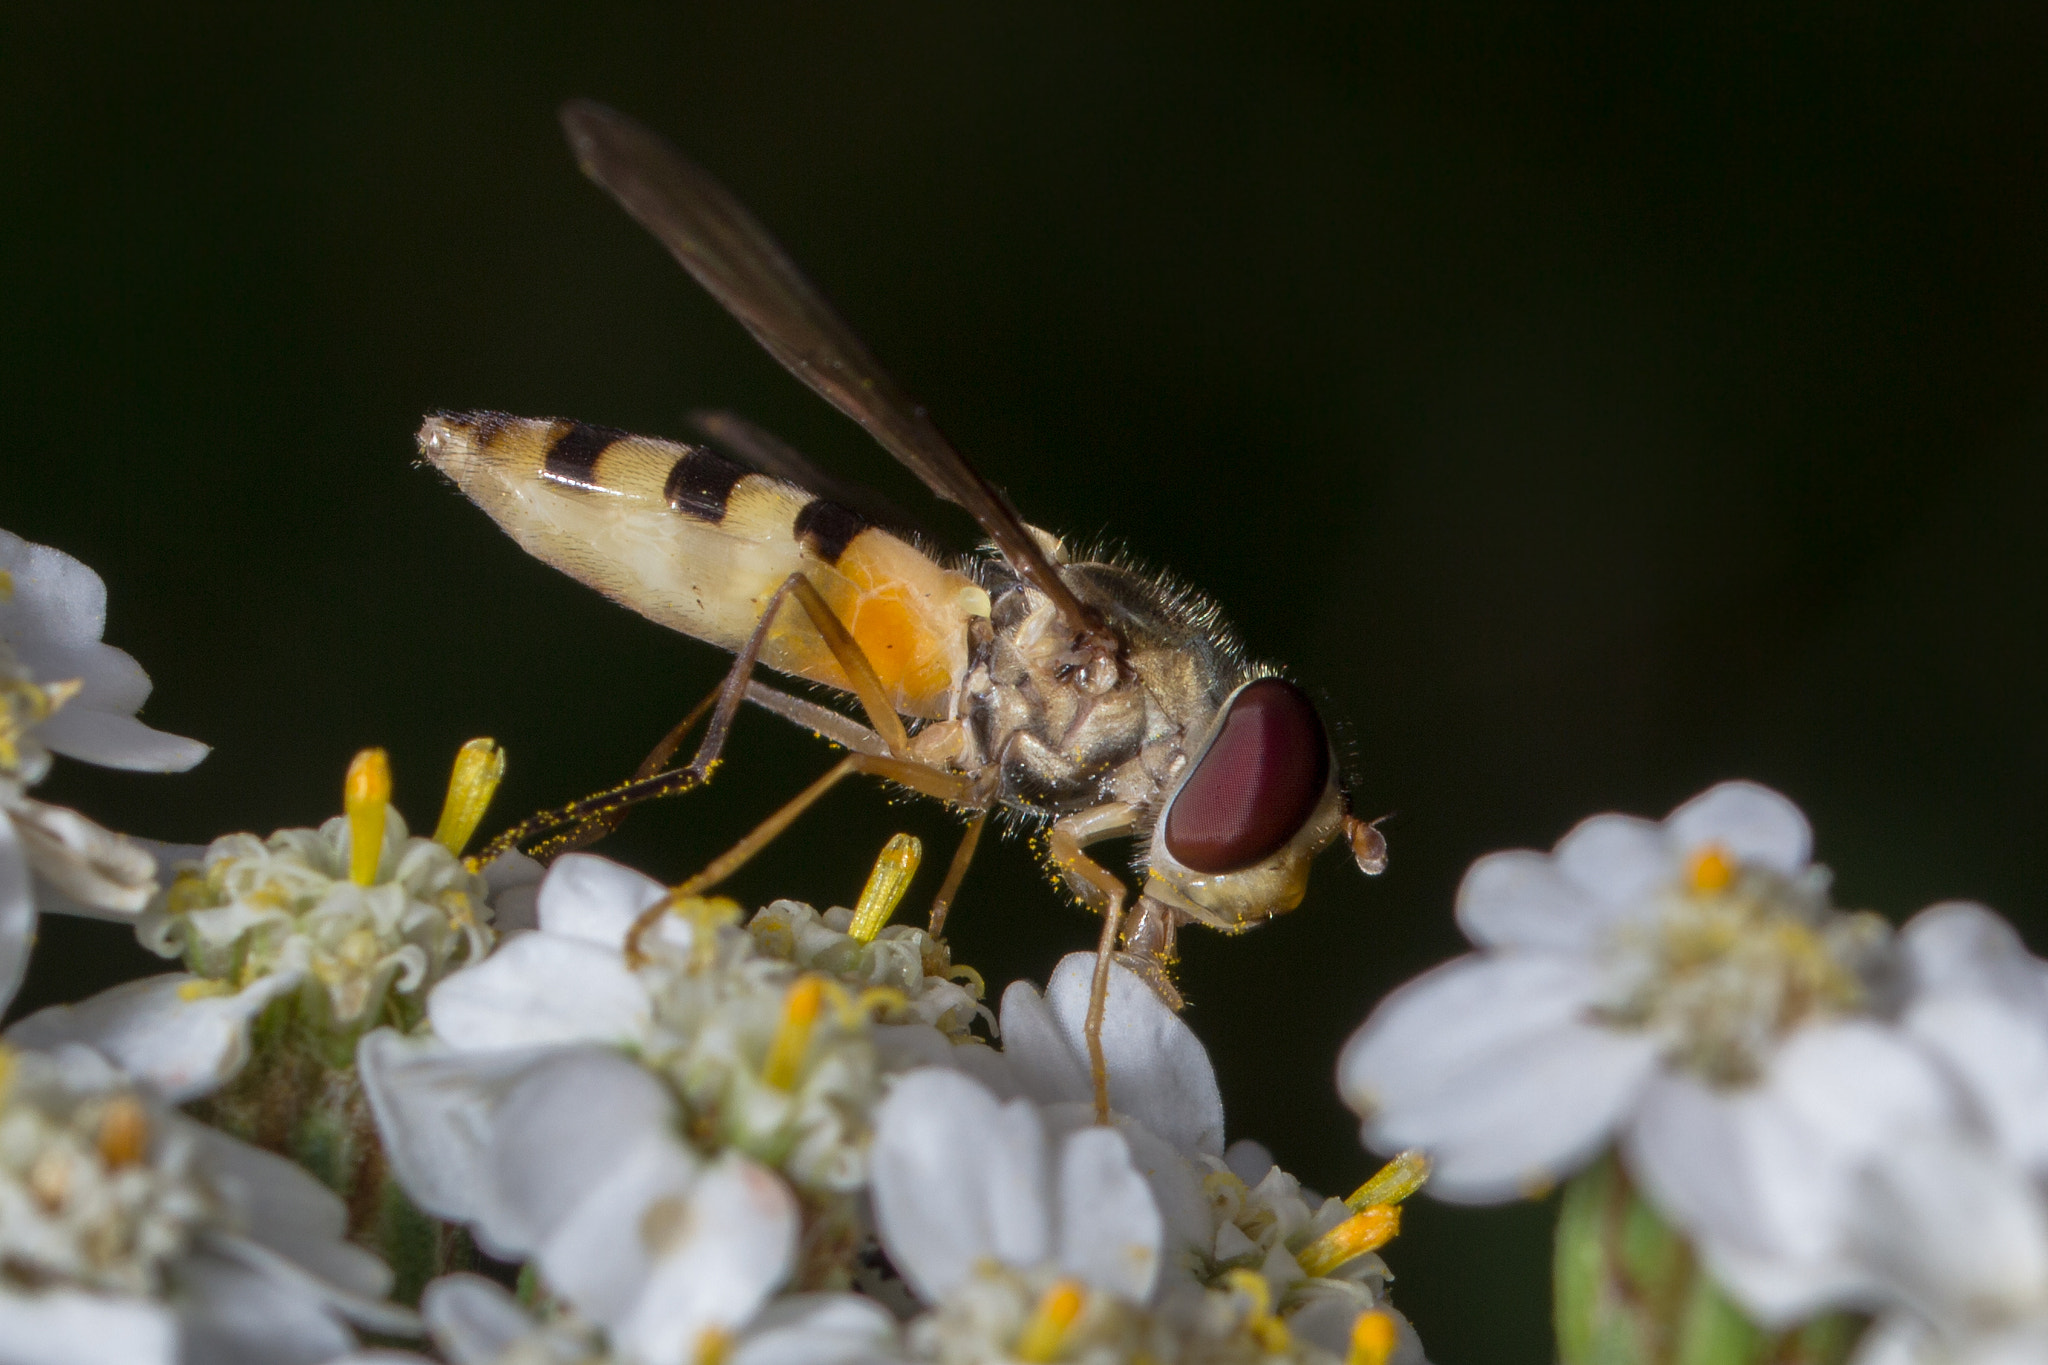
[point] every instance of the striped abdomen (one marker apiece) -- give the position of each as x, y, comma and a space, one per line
690, 539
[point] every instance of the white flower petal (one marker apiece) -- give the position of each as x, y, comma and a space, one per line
1521, 899
281, 1207
1159, 1072
433, 1107
2001, 1055
514, 880
820, 1329
91, 865
239, 1314
1961, 948
72, 1327
594, 899
17, 912
475, 1321
1763, 1178
537, 989
1487, 1064
180, 1048
734, 1248
1109, 1229
1177, 1189
1617, 859
1752, 822
957, 1176
111, 739
57, 601
1040, 1062
1957, 1233
570, 1127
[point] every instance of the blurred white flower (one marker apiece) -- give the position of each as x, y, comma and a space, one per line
476, 1322
63, 691
575, 1159
129, 1233
1685, 989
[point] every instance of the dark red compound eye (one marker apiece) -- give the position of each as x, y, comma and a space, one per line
1256, 785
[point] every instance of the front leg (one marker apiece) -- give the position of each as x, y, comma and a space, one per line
1095, 885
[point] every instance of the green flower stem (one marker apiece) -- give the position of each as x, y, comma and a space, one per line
1629, 1291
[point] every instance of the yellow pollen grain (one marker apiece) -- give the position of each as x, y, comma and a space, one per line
1350, 1239
479, 768
890, 878
123, 1134
1051, 1320
366, 797
1373, 1338
793, 1035
1711, 870
1393, 1182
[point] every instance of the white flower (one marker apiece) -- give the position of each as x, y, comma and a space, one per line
1683, 988
129, 1233
475, 1322
63, 691
782, 1064
285, 911
574, 1158
53, 611
1034, 1234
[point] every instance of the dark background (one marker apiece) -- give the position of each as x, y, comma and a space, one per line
1593, 403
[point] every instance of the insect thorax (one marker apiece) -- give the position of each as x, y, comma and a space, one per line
1061, 749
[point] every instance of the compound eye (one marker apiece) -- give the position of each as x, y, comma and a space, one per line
1255, 786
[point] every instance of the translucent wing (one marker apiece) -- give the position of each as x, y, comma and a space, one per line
728, 252
763, 450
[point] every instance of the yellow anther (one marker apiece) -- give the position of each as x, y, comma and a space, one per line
204, 988
1051, 1320
971, 979
793, 1035
1373, 1338
479, 767
6, 586
714, 1345
1393, 1182
886, 885
1269, 1331
123, 1137
1711, 869
6, 1071
1350, 1239
366, 796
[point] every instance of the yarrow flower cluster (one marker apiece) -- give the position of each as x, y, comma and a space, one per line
704, 1136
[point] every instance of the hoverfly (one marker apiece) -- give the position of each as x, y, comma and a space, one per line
1104, 701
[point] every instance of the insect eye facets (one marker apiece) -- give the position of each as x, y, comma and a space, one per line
1257, 784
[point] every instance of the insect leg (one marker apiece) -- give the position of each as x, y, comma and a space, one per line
1093, 883
904, 772
956, 872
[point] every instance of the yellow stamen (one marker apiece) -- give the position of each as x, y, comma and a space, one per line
970, 978
6, 586
1373, 1338
1350, 1239
714, 1344
1046, 1332
479, 767
6, 1071
366, 796
793, 1037
203, 988
124, 1131
1711, 869
1393, 1182
886, 885
1269, 1331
